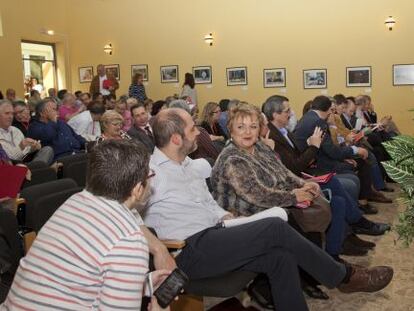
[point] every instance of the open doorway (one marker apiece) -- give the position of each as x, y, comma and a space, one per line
39, 67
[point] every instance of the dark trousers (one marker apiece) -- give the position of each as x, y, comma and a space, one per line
344, 211
268, 246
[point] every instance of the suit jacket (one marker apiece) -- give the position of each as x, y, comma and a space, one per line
141, 136
291, 157
330, 157
94, 87
349, 124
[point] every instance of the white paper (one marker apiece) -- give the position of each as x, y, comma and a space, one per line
245, 88
282, 90
209, 86
324, 92
269, 213
368, 90
358, 124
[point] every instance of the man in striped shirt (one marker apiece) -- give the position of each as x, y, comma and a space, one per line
91, 254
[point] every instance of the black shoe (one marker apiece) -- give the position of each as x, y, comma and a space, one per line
339, 259
355, 240
386, 189
368, 209
350, 249
314, 292
259, 291
374, 229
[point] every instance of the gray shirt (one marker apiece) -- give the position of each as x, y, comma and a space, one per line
180, 203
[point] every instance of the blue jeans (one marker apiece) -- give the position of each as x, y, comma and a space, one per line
350, 182
344, 210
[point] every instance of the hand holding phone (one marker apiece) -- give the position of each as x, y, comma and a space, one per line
170, 287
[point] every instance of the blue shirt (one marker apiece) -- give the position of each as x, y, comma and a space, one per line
58, 135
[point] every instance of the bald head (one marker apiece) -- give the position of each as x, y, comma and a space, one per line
167, 123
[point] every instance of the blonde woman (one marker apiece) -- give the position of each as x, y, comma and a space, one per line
209, 121
111, 125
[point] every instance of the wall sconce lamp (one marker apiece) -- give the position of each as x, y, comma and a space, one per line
390, 23
208, 39
48, 32
108, 49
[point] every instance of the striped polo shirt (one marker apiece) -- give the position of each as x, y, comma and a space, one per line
90, 255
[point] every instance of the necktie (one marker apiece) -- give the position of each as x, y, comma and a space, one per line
148, 131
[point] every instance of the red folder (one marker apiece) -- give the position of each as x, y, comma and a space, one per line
11, 180
323, 179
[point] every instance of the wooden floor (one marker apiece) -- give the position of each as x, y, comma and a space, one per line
399, 295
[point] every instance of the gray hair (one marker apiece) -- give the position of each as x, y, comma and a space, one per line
233, 103
41, 105
67, 96
180, 103
5, 101
274, 104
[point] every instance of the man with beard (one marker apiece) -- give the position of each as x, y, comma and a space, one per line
181, 207
93, 253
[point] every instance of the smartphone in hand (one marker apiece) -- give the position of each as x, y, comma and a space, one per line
171, 287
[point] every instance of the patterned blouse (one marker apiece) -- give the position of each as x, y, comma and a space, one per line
245, 184
137, 91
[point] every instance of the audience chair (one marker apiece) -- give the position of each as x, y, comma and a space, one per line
36, 165
42, 210
40, 175
73, 158
223, 286
76, 171
33, 193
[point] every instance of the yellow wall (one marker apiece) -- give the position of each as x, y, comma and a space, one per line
23, 20
297, 35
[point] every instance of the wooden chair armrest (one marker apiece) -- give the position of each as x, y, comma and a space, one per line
20, 201
16, 204
28, 240
174, 244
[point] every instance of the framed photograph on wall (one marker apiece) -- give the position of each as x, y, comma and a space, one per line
202, 74
403, 74
274, 77
358, 76
142, 69
169, 74
236, 76
113, 69
315, 79
85, 74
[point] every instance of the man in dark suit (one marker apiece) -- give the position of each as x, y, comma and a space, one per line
330, 157
103, 83
141, 129
277, 111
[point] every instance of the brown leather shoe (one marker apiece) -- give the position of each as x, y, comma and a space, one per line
367, 279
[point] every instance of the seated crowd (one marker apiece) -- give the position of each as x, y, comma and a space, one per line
144, 172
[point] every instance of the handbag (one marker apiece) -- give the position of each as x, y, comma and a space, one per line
316, 217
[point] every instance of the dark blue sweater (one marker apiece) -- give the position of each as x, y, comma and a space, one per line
60, 136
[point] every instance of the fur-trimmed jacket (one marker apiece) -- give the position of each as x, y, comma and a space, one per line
245, 183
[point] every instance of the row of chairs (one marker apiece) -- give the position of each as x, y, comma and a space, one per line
43, 199
74, 167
